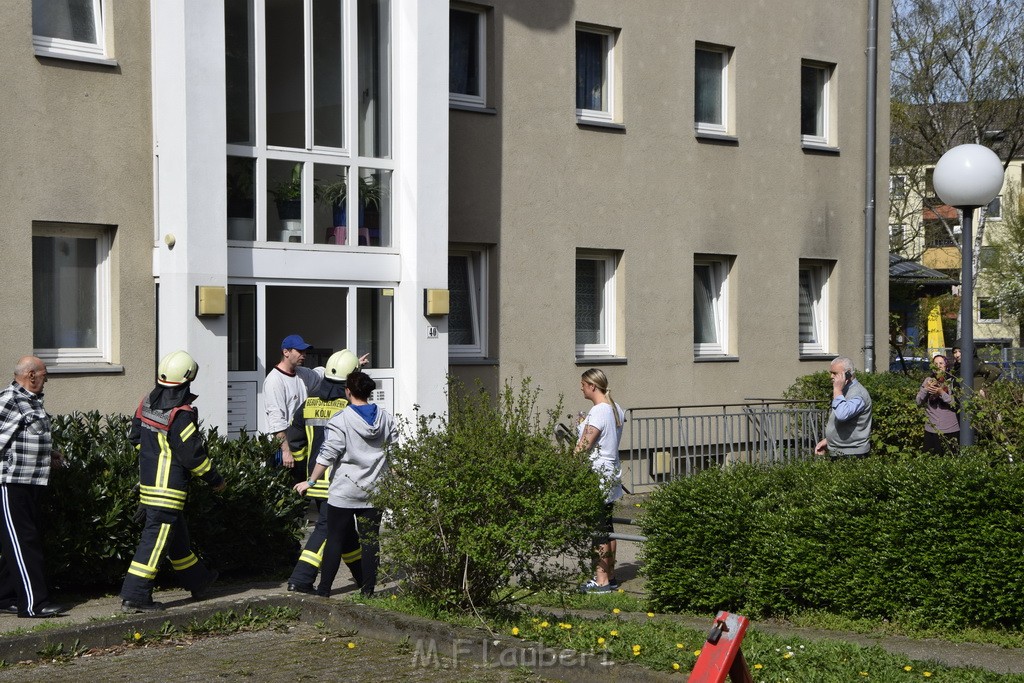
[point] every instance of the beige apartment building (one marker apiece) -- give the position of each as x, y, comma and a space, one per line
176, 176
672, 191
77, 181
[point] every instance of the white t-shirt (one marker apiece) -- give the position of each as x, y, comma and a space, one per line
284, 393
604, 456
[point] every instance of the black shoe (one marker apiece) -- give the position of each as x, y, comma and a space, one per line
10, 608
301, 588
45, 611
131, 606
204, 590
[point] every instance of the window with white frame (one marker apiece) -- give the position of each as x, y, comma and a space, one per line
897, 186
467, 56
813, 307
71, 292
988, 310
595, 304
70, 29
815, 106
467, 317
994, 210
710, 305
711, 89
595, 74
308, 117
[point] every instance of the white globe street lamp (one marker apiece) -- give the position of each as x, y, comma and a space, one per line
966, 177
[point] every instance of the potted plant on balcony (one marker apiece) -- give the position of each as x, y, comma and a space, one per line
241, 220
288, 198
335, 194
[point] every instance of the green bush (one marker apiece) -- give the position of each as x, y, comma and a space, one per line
484, 505
897, 423
252, 527
928, 541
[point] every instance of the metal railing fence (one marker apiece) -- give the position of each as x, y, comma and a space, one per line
661, 444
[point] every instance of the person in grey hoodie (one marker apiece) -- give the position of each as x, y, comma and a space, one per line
354, 446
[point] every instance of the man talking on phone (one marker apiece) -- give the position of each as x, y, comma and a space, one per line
848, 432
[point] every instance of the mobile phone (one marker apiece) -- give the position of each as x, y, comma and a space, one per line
849, 375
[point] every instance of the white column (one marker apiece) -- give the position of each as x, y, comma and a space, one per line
191, 206
421, 196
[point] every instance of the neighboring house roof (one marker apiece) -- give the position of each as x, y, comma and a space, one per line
910, 272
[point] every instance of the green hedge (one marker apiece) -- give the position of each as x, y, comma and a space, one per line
931, 541
251, 528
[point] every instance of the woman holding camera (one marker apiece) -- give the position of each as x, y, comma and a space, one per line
942, 426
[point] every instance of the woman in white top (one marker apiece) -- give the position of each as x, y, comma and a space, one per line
600, 433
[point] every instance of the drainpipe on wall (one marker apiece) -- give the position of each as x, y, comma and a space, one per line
869, 181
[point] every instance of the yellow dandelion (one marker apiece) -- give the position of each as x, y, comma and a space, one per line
787, 655
544, 624
616, 610
515, 630
679, 646
908, 668
535, 619
696, 653
394, 597
675, 666
650, 614
759, 666
613, 633
636, 650
600, 641
621, 590
864, 673
926, 674
564, 626
351, 645
636, 505
137, 636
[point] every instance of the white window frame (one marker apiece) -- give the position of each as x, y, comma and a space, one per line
996, 215
898, 186
721, 127
819, 273
989, 320
478, 99
720, 267
62, 48
607, 345
824, 139
476, 263
102, 352
610, 41
311, 154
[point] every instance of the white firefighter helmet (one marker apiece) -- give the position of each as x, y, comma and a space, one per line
176, 368
340, 364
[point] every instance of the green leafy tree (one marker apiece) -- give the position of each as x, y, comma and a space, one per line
485, 505
1006, 272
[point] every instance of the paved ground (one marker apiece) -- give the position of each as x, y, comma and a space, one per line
388, 646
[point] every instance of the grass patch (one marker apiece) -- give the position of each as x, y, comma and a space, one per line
219, 623
659, 642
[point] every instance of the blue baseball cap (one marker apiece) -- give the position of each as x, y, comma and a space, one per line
294, 341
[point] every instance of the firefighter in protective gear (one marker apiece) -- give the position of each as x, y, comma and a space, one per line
305, 436
166, 434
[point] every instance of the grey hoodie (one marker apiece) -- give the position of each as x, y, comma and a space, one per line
354, 448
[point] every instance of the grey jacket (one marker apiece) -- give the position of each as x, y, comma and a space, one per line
354, 448
850, 434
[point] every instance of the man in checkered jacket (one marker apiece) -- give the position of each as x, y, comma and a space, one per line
25, 461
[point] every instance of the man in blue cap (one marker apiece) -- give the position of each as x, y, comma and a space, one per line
285, 389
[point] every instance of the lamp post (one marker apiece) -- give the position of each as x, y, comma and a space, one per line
967, 177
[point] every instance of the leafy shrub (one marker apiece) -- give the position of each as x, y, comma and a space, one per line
897, 423
998, 419
929, 540
252, 527
485, 506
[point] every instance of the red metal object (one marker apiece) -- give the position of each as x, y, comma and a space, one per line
721, 657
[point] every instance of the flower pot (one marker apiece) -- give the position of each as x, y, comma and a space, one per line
289, 208
241, 228
291, 230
